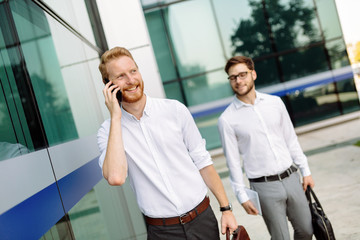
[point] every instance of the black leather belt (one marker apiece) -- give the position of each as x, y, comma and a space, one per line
184, 218
277, 177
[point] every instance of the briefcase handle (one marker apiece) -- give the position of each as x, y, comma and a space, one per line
240, 233
309, 192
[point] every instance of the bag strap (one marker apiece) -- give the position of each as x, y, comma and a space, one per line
309, 192
227, 234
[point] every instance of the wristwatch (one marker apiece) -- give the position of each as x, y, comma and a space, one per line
226, 208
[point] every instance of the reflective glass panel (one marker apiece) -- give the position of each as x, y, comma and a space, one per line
207, 88
208, 128
241, 24
348, 95
173, 91
314, 104
86, 220
20, 130
35, 35
60, 231
303, 63
267, 72
337, 53
293, 23
243, 27
160, 44
329, 18
60, 68
193, 33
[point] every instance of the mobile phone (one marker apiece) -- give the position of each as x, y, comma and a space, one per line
118, 94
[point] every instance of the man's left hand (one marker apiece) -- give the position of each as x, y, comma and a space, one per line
308, 181
228, 221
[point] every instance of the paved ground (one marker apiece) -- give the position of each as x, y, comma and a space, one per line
334, 161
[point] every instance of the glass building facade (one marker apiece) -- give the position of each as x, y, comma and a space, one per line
51, 104
297, 47
51, 107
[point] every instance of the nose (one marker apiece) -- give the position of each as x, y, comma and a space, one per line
238, 79
130, 79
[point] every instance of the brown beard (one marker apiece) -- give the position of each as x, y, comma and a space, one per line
131, 98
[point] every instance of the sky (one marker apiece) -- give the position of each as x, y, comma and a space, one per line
349, 17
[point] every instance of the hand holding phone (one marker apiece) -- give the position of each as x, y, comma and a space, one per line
118, 94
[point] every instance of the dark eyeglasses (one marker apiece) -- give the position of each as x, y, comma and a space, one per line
241, 75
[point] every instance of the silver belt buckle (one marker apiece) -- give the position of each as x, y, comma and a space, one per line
181, 216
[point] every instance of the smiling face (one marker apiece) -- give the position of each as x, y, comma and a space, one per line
242, 87
124, 73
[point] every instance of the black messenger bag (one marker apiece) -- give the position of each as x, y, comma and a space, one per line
321, 224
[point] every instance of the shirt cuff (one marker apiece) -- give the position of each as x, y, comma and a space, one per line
242, 196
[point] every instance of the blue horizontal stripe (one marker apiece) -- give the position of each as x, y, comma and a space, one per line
75, 185
33, 217
220, 109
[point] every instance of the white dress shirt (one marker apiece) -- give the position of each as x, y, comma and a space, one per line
263, 135
164, 151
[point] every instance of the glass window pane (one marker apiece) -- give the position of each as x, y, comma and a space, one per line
293, 23
207, 88
160, 44
208, 128
348, 95
86, 219
173, 91
60, 231
267, 73
241, 24
15, 139
20, 129
337, 53
314, 104
194, 36
303, 63
329, 18
59, 65
35, 35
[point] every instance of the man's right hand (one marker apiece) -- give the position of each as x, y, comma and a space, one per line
111, 101
250, 208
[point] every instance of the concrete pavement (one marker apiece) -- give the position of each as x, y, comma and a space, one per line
334, 161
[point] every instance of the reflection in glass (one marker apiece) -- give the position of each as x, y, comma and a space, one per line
173, 91
329, 18
86, 220
337, 53
60, 231
303, 63
194, 36
46, 77
208, 128
348, 95
229, 15
293, 23
251, 36
314, 104
267, 72
160, 44
207, 88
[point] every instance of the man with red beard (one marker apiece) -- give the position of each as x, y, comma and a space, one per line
156, 143
257, 127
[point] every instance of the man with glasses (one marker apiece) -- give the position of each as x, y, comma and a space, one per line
257, 127
156, 144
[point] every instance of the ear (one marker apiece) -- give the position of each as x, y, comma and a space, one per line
254, 74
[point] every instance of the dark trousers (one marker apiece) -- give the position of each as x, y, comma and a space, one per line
204, 226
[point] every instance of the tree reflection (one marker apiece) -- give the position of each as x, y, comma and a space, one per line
289, 28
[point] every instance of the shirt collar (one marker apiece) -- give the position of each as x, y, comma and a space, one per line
238, 103
147, 109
